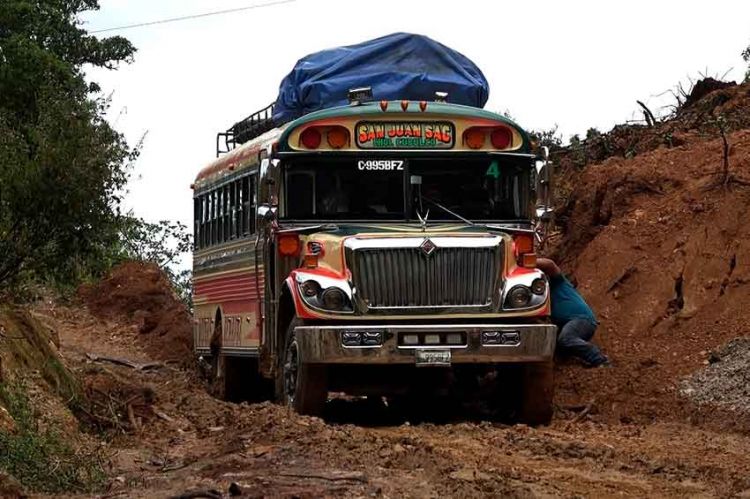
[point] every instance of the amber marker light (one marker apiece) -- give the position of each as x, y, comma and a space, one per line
311, 261
423, 105
337, 137
383, 105
404, 105
528, 260
524, 243
289, 245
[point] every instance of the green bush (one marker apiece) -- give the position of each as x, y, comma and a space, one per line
41, 459
62, 167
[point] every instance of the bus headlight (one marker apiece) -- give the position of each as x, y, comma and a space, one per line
333, 298
519, 297
325, 296
538, 286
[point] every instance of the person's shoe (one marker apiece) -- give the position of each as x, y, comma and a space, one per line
604, 363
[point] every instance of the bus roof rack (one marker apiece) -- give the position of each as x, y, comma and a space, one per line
245, 130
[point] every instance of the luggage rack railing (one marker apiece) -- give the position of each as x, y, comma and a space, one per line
244, 130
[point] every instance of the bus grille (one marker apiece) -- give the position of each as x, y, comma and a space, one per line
406, 277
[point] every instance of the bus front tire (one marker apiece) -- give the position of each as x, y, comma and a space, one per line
304, 386
538, 390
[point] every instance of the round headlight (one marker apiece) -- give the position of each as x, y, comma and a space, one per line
333, 298
310, 288
538, 286
519, 297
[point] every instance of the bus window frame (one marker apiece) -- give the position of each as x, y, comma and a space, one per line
520, 160
225, 212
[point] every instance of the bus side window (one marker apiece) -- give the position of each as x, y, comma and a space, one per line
233, 210
213, 217
252, 204
209, 213
245, 213
223, 222
204, 223
238, 207
222, 214
227, 205
196, 222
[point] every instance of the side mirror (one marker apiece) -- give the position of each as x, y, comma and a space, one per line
544, 212
266, 212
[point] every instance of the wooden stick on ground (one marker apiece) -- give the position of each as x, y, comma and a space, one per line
355, 476
581, 414
124, 362
202, 493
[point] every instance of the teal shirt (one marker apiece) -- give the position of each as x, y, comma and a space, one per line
567, 302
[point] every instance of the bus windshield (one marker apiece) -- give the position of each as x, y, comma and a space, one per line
477, 189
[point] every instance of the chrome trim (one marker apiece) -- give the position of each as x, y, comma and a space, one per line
473, 241
525, 280
393, 273
322, 344
231, 351
324, 282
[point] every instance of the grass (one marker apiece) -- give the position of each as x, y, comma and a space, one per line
41, 459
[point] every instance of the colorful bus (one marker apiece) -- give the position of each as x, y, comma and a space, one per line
367, 248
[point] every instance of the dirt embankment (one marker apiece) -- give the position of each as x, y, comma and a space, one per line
141, 294
659, 245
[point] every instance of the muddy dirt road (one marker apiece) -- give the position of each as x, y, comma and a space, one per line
186, 441
658, 248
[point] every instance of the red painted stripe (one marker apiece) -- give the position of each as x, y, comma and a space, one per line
229, 282
230, 292
244, 276
222, 298
230, 273
221, 292
224, 163
230, 285
241, 307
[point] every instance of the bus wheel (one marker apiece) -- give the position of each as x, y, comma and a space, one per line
304, 385
538, 389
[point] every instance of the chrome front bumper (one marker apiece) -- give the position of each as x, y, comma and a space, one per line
324, 345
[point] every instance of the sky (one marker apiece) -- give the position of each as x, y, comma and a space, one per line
570, 64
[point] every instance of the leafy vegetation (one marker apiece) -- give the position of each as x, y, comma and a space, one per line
163, 243
746, 58
62, 167
42, 459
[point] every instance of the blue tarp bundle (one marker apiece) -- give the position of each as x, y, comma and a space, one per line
397, 66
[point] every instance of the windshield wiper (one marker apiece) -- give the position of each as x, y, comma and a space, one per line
309, 229
435, 203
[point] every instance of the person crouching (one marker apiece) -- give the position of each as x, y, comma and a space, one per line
574, 318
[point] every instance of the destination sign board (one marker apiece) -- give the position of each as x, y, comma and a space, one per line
405, 135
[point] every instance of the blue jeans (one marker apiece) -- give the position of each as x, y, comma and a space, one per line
573, 340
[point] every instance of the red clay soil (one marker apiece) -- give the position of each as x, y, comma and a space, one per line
658, 247
662, 253
142, 293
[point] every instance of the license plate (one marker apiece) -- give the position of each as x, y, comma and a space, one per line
433, 357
